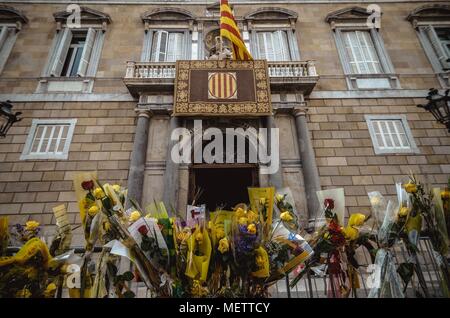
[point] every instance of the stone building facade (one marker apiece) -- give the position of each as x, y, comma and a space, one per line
344, 96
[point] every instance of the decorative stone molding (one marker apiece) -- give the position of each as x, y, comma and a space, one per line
300, 111
167, 16
435, 13
348, 17
10, 15
143, 112
272, 15
88, 17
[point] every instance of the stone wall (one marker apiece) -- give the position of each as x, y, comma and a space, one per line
102, 141
345, 155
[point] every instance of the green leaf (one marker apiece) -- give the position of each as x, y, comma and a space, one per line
406, 272
128, 276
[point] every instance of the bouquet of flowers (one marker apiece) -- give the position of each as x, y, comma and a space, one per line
334, 246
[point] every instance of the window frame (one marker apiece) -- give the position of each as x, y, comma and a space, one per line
26, 155
443, 75
387, 68
293, 47
408, 134
288, 48
146, 54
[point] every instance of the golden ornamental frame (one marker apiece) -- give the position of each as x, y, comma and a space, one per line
261, 106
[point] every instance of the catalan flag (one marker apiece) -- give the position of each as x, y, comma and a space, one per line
230, 30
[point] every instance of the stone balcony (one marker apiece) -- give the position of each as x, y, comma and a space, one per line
151, 77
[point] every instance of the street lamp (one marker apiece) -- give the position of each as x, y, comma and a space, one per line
7, 117
439, 106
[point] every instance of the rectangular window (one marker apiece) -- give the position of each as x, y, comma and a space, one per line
167, 46
390, 134
273, 46
361, 53
73, 57
49, 139
75, 53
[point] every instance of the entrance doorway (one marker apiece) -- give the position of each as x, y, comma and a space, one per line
221, 185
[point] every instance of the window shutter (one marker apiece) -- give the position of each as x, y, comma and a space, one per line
61, 53
281, 46
437, 47
3, 35
95, 54
159, 50
175, 47
147, 47
85, 56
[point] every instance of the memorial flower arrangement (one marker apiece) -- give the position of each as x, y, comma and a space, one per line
236, 253
416, 212
32, 271
334, 248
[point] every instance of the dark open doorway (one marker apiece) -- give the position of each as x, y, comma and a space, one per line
223, 185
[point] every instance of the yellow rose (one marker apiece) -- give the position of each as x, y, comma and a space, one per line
106, 226
134, 216
351, 233
116, 187
356, 219
410, 187
98, 193
286, 216
224, 246
251, 228
184, 235
403, 212
260, 261
31, 225
252, 216
23, 293
243, 221
199, 237
220, 233
445, 195
279, 197
93, 210
240, 212
50, 291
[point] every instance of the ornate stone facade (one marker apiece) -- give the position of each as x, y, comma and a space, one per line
327, 146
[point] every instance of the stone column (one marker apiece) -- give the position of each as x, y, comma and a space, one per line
138, 157
308, 159
275, 179
171, 175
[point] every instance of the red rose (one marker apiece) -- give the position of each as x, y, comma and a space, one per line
143, 230
334, 227
87, 185
329, 203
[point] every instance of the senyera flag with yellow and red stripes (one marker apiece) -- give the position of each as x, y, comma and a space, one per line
230, 30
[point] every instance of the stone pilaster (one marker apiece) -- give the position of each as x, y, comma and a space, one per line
138, 156
308, 159
171, 175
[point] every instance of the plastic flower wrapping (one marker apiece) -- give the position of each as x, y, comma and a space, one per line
225, 253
